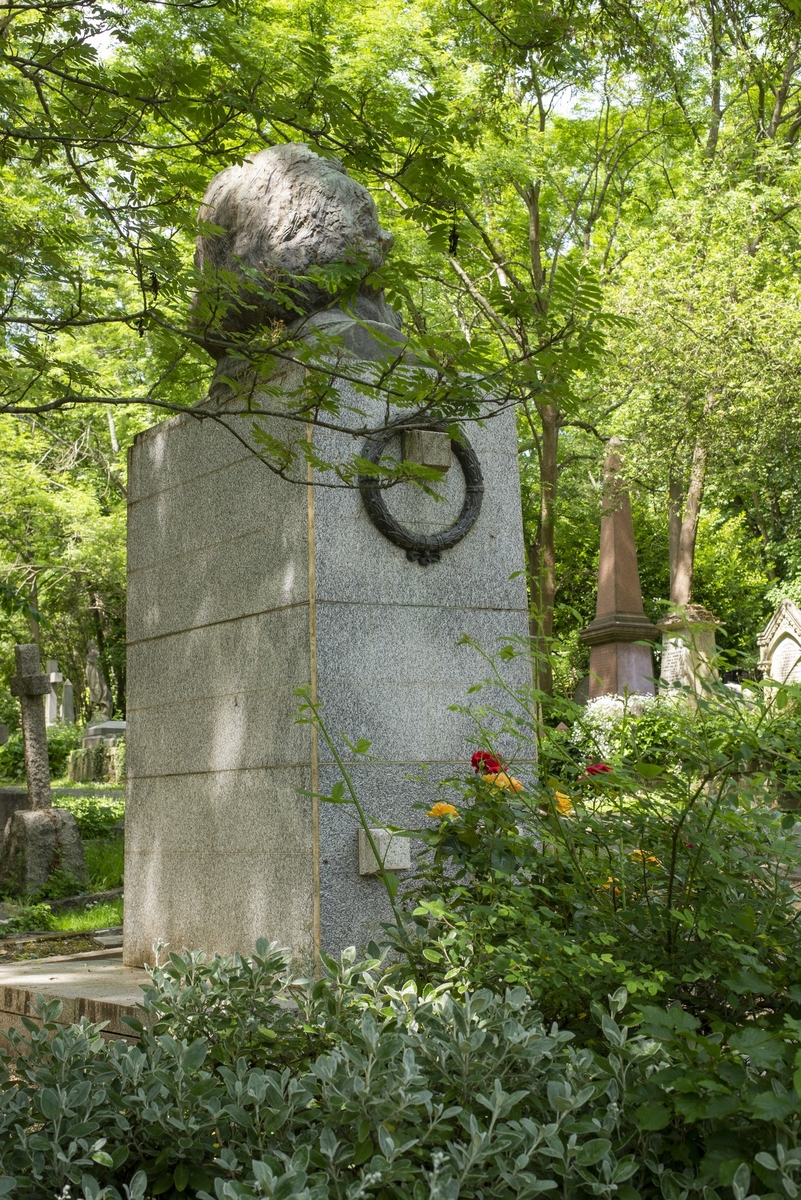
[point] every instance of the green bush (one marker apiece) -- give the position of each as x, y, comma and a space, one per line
96, 816
669, 875
29, 918
391, 1094
61, 739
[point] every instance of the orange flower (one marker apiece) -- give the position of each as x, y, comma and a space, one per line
640, 856
563, 804
612, 879
502, 780
441, 809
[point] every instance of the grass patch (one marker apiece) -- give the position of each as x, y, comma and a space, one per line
99, 916
105, 859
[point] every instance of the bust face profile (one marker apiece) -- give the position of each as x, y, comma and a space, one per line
281, 212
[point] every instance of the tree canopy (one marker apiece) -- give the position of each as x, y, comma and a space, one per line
595, 211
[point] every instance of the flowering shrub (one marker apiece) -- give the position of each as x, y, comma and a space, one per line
666, 870
601, 727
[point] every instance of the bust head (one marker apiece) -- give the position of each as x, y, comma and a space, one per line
281, 212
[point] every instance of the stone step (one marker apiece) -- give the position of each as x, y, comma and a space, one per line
94, 985
109, 940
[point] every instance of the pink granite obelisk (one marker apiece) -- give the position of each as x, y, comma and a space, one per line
620, 659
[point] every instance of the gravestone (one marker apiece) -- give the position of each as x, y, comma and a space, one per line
38, 841
620, 659
11, 799
780, 644
243, 587
67, 709
689, 652
54, 676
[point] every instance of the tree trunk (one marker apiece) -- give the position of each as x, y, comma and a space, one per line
33, 607
681, 566
543, 568
674, 526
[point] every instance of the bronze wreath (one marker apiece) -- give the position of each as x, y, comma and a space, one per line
422, 548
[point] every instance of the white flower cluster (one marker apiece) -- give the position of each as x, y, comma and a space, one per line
598, 731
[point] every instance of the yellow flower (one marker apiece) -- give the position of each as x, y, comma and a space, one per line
608, 885
563, 804
502, 780
441, 809
641, 857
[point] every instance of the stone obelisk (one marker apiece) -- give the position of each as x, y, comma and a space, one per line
620, 658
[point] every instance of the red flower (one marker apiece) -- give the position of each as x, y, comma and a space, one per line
482, 760
594, 769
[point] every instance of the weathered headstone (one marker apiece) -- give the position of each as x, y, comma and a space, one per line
54, 676
688, 648
243, 587
11, 799
43, 839
780, 644
620, 662
67, 709
35, 845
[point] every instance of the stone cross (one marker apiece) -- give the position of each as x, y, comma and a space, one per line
31, 685
51, 699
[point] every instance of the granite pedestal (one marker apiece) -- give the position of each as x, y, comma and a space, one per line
243, 587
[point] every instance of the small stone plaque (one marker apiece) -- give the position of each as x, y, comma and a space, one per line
394, 850
427, 448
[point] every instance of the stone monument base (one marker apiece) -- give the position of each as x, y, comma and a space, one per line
621, 660
242, 588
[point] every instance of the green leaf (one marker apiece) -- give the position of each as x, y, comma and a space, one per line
50, 1104
592, 1152
652, 1116
137, 1188
180, 1177
364, 1150
195, 1055
767, 1106
741, 1181
648, 770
